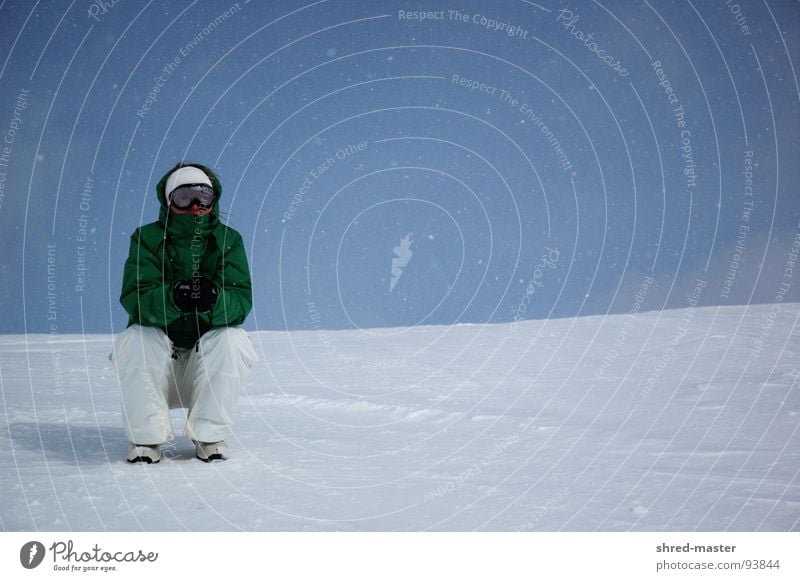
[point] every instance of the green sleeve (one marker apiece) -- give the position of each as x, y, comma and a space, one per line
236, 294
146, 296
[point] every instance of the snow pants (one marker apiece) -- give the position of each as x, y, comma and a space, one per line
154, 378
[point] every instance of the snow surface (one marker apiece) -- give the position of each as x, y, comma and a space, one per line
675, 420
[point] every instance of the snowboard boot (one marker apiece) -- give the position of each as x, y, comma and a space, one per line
147, 454
210, 451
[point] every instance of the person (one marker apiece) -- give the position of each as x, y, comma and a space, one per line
186, 288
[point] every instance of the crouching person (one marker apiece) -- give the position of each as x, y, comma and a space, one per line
186, 288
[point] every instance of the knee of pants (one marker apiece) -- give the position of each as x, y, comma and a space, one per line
229, 341
138, 342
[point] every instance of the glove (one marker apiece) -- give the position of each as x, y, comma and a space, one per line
182, 295
196, 294
207, 295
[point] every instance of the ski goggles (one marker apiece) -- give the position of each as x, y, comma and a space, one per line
184, 197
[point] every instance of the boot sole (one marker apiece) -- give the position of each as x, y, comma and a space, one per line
143, 460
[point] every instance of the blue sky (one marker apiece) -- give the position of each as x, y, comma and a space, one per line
539, 159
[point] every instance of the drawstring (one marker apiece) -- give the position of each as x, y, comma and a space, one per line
210, 325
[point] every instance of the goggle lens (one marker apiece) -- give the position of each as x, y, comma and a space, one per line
184, 197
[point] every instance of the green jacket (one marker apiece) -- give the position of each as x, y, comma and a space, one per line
178, 247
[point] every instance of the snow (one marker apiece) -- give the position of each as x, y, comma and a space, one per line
680, 420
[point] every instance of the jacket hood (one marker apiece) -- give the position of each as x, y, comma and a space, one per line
162, 195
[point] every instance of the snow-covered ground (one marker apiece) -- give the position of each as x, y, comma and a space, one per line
674, 420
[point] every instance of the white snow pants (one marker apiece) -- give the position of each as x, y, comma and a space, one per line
207, 380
